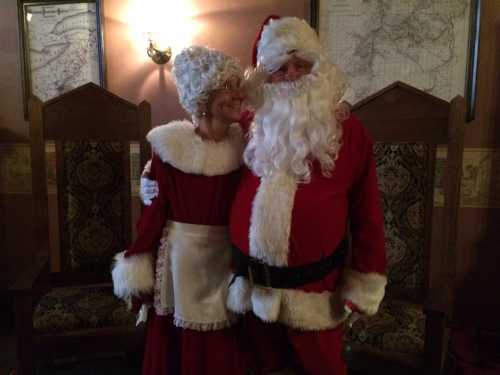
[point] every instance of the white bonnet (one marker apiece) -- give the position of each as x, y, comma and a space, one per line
198, 71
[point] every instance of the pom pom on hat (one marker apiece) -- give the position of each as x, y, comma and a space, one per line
283, 36
198, 71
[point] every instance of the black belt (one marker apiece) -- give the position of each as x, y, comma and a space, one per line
286, 277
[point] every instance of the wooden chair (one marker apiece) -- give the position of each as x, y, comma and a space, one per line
410, 331
73, 312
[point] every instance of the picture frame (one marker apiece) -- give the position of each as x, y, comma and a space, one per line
473, 59
314, 14
61, 46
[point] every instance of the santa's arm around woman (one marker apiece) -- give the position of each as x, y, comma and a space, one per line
133, 269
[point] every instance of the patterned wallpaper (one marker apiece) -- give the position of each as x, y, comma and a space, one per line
480, 187
15, 172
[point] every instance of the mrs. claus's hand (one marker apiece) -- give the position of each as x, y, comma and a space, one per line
342, 112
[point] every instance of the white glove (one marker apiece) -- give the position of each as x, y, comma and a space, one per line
148, 188
352, 318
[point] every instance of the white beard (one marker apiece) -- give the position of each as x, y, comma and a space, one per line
293, 127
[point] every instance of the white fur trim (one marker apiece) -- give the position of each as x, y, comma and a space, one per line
178, 144
238, 297
311, 311
132, 275
266, 303
271, 219
280, 36
297, 309
178, 322
365, 290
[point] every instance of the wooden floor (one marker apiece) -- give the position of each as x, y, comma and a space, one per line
8, 356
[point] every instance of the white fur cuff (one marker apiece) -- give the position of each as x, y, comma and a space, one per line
297, 309
365, 290
133, 275
238, 297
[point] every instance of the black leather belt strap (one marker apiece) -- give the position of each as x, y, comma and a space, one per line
268, 276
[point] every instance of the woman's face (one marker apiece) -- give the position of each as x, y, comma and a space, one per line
224, 104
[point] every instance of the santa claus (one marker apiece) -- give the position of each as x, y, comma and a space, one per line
308, 193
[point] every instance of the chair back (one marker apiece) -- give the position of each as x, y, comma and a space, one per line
419, 187
92, 131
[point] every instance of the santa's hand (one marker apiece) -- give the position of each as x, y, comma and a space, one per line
147, 169
342, 112
352, 318
251, 87
353, 311
148, 190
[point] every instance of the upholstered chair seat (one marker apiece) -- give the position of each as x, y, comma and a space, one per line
80, 308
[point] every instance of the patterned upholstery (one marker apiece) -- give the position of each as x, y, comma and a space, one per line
92, 197
402, 171
397, 327
72, 309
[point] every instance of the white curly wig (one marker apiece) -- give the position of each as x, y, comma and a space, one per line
198, 71
282, 36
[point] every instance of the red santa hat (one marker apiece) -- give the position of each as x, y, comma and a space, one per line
280, 37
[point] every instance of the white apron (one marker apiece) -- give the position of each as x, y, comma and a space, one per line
192, 276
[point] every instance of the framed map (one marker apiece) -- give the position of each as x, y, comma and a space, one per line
431, 45
61, 46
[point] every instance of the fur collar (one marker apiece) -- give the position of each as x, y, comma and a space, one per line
178, 144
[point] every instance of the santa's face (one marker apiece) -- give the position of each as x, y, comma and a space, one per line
294, 124
224, 104
292, 70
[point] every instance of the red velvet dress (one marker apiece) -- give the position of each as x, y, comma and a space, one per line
192, 199
197, 181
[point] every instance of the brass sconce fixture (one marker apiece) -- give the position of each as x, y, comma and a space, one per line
159, 56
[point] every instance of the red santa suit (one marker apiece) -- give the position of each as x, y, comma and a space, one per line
182, 253
286, 223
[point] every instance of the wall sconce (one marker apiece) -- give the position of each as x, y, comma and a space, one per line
158, 55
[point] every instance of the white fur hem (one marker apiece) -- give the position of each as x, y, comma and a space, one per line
295, 308
213, 326
132, 275
178, 144
238, 297
271, 219
365, 290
